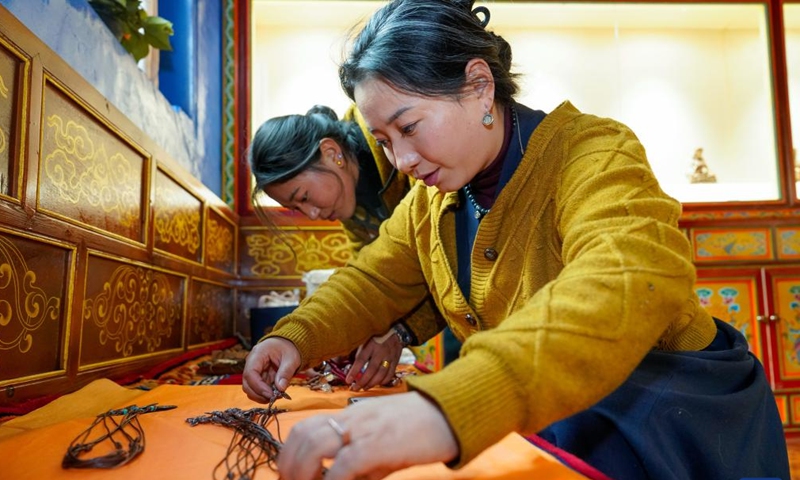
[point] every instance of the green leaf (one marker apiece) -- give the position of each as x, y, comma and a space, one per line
136, 45
111, 4
133, 6
157, 32
159, 22
134, 28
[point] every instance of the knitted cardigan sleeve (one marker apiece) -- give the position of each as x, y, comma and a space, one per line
362, 299
424, 321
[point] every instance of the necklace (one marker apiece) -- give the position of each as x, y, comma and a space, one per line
118, 426
480, 211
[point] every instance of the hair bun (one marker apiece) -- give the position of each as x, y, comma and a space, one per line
322, 110
486, 15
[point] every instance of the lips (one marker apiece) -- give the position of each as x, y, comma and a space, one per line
431, 178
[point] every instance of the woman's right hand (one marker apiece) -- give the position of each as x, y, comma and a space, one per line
271, 362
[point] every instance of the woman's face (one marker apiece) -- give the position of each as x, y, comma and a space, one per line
437, 140
329, 194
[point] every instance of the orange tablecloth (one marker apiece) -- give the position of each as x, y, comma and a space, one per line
32, 446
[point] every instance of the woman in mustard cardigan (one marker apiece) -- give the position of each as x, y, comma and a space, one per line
327, 169
551, 250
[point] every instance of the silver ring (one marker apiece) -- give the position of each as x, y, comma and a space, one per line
344, 435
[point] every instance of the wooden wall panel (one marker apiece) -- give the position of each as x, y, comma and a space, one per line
34, 305
177, 219
129, 310
126, 259
210, 312
13, 75
285, 253
221, 242
89, 175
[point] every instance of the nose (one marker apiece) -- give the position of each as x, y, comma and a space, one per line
310, 211
406, 160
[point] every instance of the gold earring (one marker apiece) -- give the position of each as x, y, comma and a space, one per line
487, 119
339, 161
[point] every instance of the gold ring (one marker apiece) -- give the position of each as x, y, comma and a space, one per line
385, 364
344, 435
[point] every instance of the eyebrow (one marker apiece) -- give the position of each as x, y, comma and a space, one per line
394, 117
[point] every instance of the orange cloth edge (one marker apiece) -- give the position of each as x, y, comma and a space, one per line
90, 401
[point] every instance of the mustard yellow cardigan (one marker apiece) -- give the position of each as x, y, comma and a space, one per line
578, 271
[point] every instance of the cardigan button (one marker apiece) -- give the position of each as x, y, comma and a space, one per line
470, 319
490, 254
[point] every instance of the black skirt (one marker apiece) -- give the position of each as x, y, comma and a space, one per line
684, 415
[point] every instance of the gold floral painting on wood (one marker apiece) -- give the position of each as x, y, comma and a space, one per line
87, 174
34, 306
177, 219
11, 92
129, 310
275, 253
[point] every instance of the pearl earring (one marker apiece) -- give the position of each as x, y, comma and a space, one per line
488, 119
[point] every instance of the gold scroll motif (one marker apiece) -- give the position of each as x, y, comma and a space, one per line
209, 307
4, 94
133, 308
177, 226
82, 172
27, 305
219, 245
290, 253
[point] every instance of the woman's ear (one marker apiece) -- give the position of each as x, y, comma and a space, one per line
480, 80
331, 152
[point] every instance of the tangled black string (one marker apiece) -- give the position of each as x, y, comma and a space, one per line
121, 427
252, 444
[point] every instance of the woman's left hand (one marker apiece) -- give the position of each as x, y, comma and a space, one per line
369, 439
375, 363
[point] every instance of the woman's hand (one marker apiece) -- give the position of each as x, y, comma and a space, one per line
375, 437
375, 363
270, 362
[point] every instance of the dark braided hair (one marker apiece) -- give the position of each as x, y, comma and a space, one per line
423, 47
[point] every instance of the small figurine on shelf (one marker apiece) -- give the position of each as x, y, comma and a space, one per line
699, 172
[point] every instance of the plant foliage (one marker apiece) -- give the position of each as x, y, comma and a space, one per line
134, 28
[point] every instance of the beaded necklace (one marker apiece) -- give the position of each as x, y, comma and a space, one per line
480, 211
